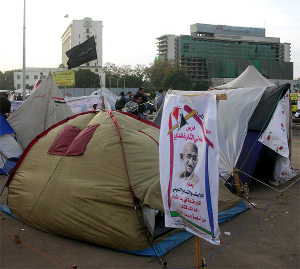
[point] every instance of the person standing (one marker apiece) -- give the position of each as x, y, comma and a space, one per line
129, 97
121, 101
135, 107
159, 99
141, 93
5, 106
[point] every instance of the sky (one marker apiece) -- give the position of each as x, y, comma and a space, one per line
130, 28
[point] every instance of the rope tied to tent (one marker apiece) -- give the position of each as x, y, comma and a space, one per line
20, 241
281, 191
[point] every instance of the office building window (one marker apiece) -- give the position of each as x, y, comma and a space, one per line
35, 77
96, 70
87, 30
87, 36
18, 77
18, 86
87, 64
27, 76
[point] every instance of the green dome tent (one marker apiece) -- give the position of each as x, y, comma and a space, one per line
95, 177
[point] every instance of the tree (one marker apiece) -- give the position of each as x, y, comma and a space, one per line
123, 76
7, 80
139, 70
176, 79
85, 78
201, 86
156, 73
132, 81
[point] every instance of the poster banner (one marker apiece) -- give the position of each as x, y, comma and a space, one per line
189, 158
84, 103
64, 78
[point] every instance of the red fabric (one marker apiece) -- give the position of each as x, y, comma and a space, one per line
64, 140
31, 144
81, 140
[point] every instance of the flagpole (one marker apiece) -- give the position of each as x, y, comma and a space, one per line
100, 82
24, 65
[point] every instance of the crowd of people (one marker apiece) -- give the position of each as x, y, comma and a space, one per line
137, 104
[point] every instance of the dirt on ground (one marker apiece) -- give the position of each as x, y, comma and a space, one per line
266, 236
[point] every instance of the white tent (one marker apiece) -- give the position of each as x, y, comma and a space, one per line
45, 107
233, 118
9, 147
250, 78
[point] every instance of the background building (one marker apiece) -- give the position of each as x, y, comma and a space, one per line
32, 75
221, 51
79, 31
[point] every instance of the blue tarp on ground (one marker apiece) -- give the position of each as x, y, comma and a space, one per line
172, 241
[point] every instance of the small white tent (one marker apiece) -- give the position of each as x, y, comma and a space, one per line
10, 151
45, 107
250, 78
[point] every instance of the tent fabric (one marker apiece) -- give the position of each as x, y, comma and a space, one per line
283, 171
10, 151
247, 159
230, 213
233, 117
99, 207
164, 246
64, 140
38, 112
107, 185
266, 107
250, 78
246, 110
5, 128
276, 135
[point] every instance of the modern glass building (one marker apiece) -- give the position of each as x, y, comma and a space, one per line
220, 51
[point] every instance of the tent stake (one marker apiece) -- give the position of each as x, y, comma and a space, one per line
197, 252
17, 240
282, 198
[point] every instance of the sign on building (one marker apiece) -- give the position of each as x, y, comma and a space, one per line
64, 78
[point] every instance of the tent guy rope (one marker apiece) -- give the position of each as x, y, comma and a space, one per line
269, 185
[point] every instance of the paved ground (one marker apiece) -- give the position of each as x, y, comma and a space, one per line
265, 237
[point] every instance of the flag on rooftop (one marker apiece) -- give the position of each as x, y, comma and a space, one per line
82, 53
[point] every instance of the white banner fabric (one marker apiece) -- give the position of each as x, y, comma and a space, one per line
276, 134
189, 158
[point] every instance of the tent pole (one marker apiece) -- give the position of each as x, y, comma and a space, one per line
24, 62
197, 252
237, 182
